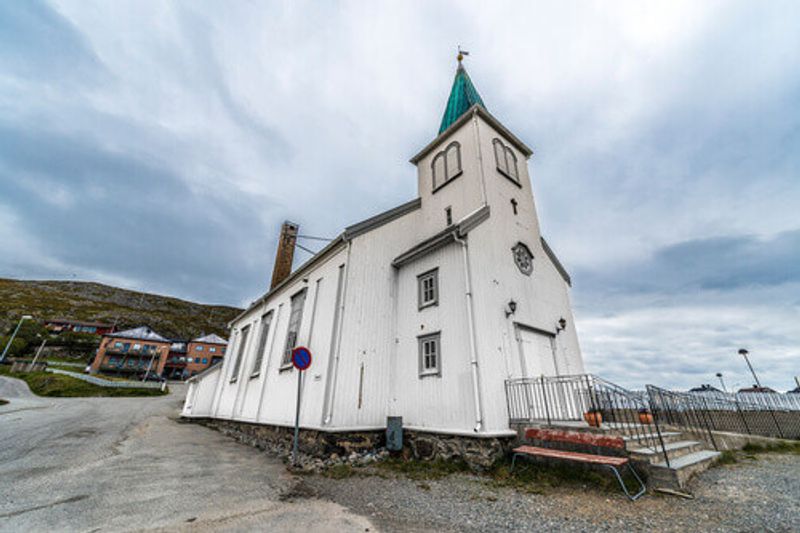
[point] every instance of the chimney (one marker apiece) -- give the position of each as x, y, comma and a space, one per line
285, 253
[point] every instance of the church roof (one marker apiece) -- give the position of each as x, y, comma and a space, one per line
463, 96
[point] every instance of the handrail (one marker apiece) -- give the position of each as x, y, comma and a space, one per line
571, 398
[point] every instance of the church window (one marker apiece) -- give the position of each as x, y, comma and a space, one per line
506, 160
428, 284
266, 320
430, 354
523, 258
237, 362
295, 316
446, 165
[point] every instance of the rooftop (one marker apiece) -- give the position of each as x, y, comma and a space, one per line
144, 333
211, 339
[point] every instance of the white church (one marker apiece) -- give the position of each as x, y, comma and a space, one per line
421, 312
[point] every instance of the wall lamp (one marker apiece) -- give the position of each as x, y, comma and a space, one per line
511, 308
562, 325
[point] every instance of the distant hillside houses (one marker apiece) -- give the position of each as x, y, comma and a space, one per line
141, 351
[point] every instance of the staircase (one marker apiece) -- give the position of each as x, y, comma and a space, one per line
687, 458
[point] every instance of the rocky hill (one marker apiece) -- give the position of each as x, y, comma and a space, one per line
80, 300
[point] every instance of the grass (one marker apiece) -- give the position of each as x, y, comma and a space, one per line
527, 476
728, 457
76, 300
56, 385
780, 447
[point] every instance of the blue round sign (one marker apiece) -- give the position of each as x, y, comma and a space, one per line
301, 358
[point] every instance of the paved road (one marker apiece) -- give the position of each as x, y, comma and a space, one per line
111, 464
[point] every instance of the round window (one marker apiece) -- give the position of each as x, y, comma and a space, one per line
523, 258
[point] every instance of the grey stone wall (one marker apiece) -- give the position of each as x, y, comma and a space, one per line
478, 453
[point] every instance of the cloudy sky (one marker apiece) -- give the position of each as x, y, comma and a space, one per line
158, 146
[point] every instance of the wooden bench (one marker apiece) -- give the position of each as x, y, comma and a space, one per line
614, 463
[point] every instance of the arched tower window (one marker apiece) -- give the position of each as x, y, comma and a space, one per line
446, 165
506, 160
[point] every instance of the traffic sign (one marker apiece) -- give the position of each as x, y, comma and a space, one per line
301, 358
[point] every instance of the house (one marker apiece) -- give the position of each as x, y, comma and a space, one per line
60, 325
131, 353
203, 352
420, 312
176, 361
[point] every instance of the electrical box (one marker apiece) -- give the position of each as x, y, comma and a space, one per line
394, 433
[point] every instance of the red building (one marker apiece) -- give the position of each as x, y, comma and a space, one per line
59, 325
132, 352
203, 352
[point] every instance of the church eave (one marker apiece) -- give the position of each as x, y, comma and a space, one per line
485, 115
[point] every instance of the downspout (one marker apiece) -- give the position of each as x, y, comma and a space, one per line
329, 415
473, 352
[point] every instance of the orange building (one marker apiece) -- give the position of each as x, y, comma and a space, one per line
131, 353
203, 352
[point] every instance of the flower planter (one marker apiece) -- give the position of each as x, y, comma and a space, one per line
645, 417
593, 418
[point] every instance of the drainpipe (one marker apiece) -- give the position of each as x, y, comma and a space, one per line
473, 353
329, 414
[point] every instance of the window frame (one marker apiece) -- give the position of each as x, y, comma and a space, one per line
506, 172
436, 337
286, 358
430, 274
266, 327
244, 336
447, 178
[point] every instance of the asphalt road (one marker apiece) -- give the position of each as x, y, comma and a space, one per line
114, 464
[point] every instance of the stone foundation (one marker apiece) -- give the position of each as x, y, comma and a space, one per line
324, 448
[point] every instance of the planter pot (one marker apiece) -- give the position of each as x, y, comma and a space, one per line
646, 418
594, 419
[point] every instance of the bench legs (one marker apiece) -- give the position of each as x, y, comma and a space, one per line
633, 498
642, 488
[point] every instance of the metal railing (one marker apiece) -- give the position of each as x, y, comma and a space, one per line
765, 414
585, 400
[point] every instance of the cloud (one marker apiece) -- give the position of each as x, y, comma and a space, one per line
159, 146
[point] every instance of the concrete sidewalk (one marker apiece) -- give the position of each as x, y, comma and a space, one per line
117, 464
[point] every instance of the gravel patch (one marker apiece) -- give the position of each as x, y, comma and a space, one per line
751, 495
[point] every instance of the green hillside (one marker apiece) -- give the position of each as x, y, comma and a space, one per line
80, 300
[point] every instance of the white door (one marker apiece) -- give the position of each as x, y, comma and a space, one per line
536, 350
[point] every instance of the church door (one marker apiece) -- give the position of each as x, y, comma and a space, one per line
537, 352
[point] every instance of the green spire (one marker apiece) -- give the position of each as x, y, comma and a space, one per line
463, 95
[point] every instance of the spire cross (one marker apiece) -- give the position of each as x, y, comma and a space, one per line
461, 54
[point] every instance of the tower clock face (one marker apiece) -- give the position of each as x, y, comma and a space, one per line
523, 258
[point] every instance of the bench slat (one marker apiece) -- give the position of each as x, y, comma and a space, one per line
575, 437
571, 456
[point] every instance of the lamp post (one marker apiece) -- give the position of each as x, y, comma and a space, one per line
744, 353
724, 388
16, 330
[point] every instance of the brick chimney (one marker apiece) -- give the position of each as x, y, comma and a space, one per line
285, 253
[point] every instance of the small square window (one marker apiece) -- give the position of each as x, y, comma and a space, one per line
198, 348
428, 288
430, 355
212, 349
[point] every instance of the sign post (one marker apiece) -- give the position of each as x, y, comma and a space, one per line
301, 359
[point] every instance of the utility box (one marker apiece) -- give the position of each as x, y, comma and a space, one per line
394, 433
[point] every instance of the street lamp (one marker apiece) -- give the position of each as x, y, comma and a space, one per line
16, 330
724, 388
744, 353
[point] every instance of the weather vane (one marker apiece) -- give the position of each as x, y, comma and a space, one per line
461, 54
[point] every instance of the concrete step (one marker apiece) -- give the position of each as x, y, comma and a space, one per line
674, 449
631, 441
681, 469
